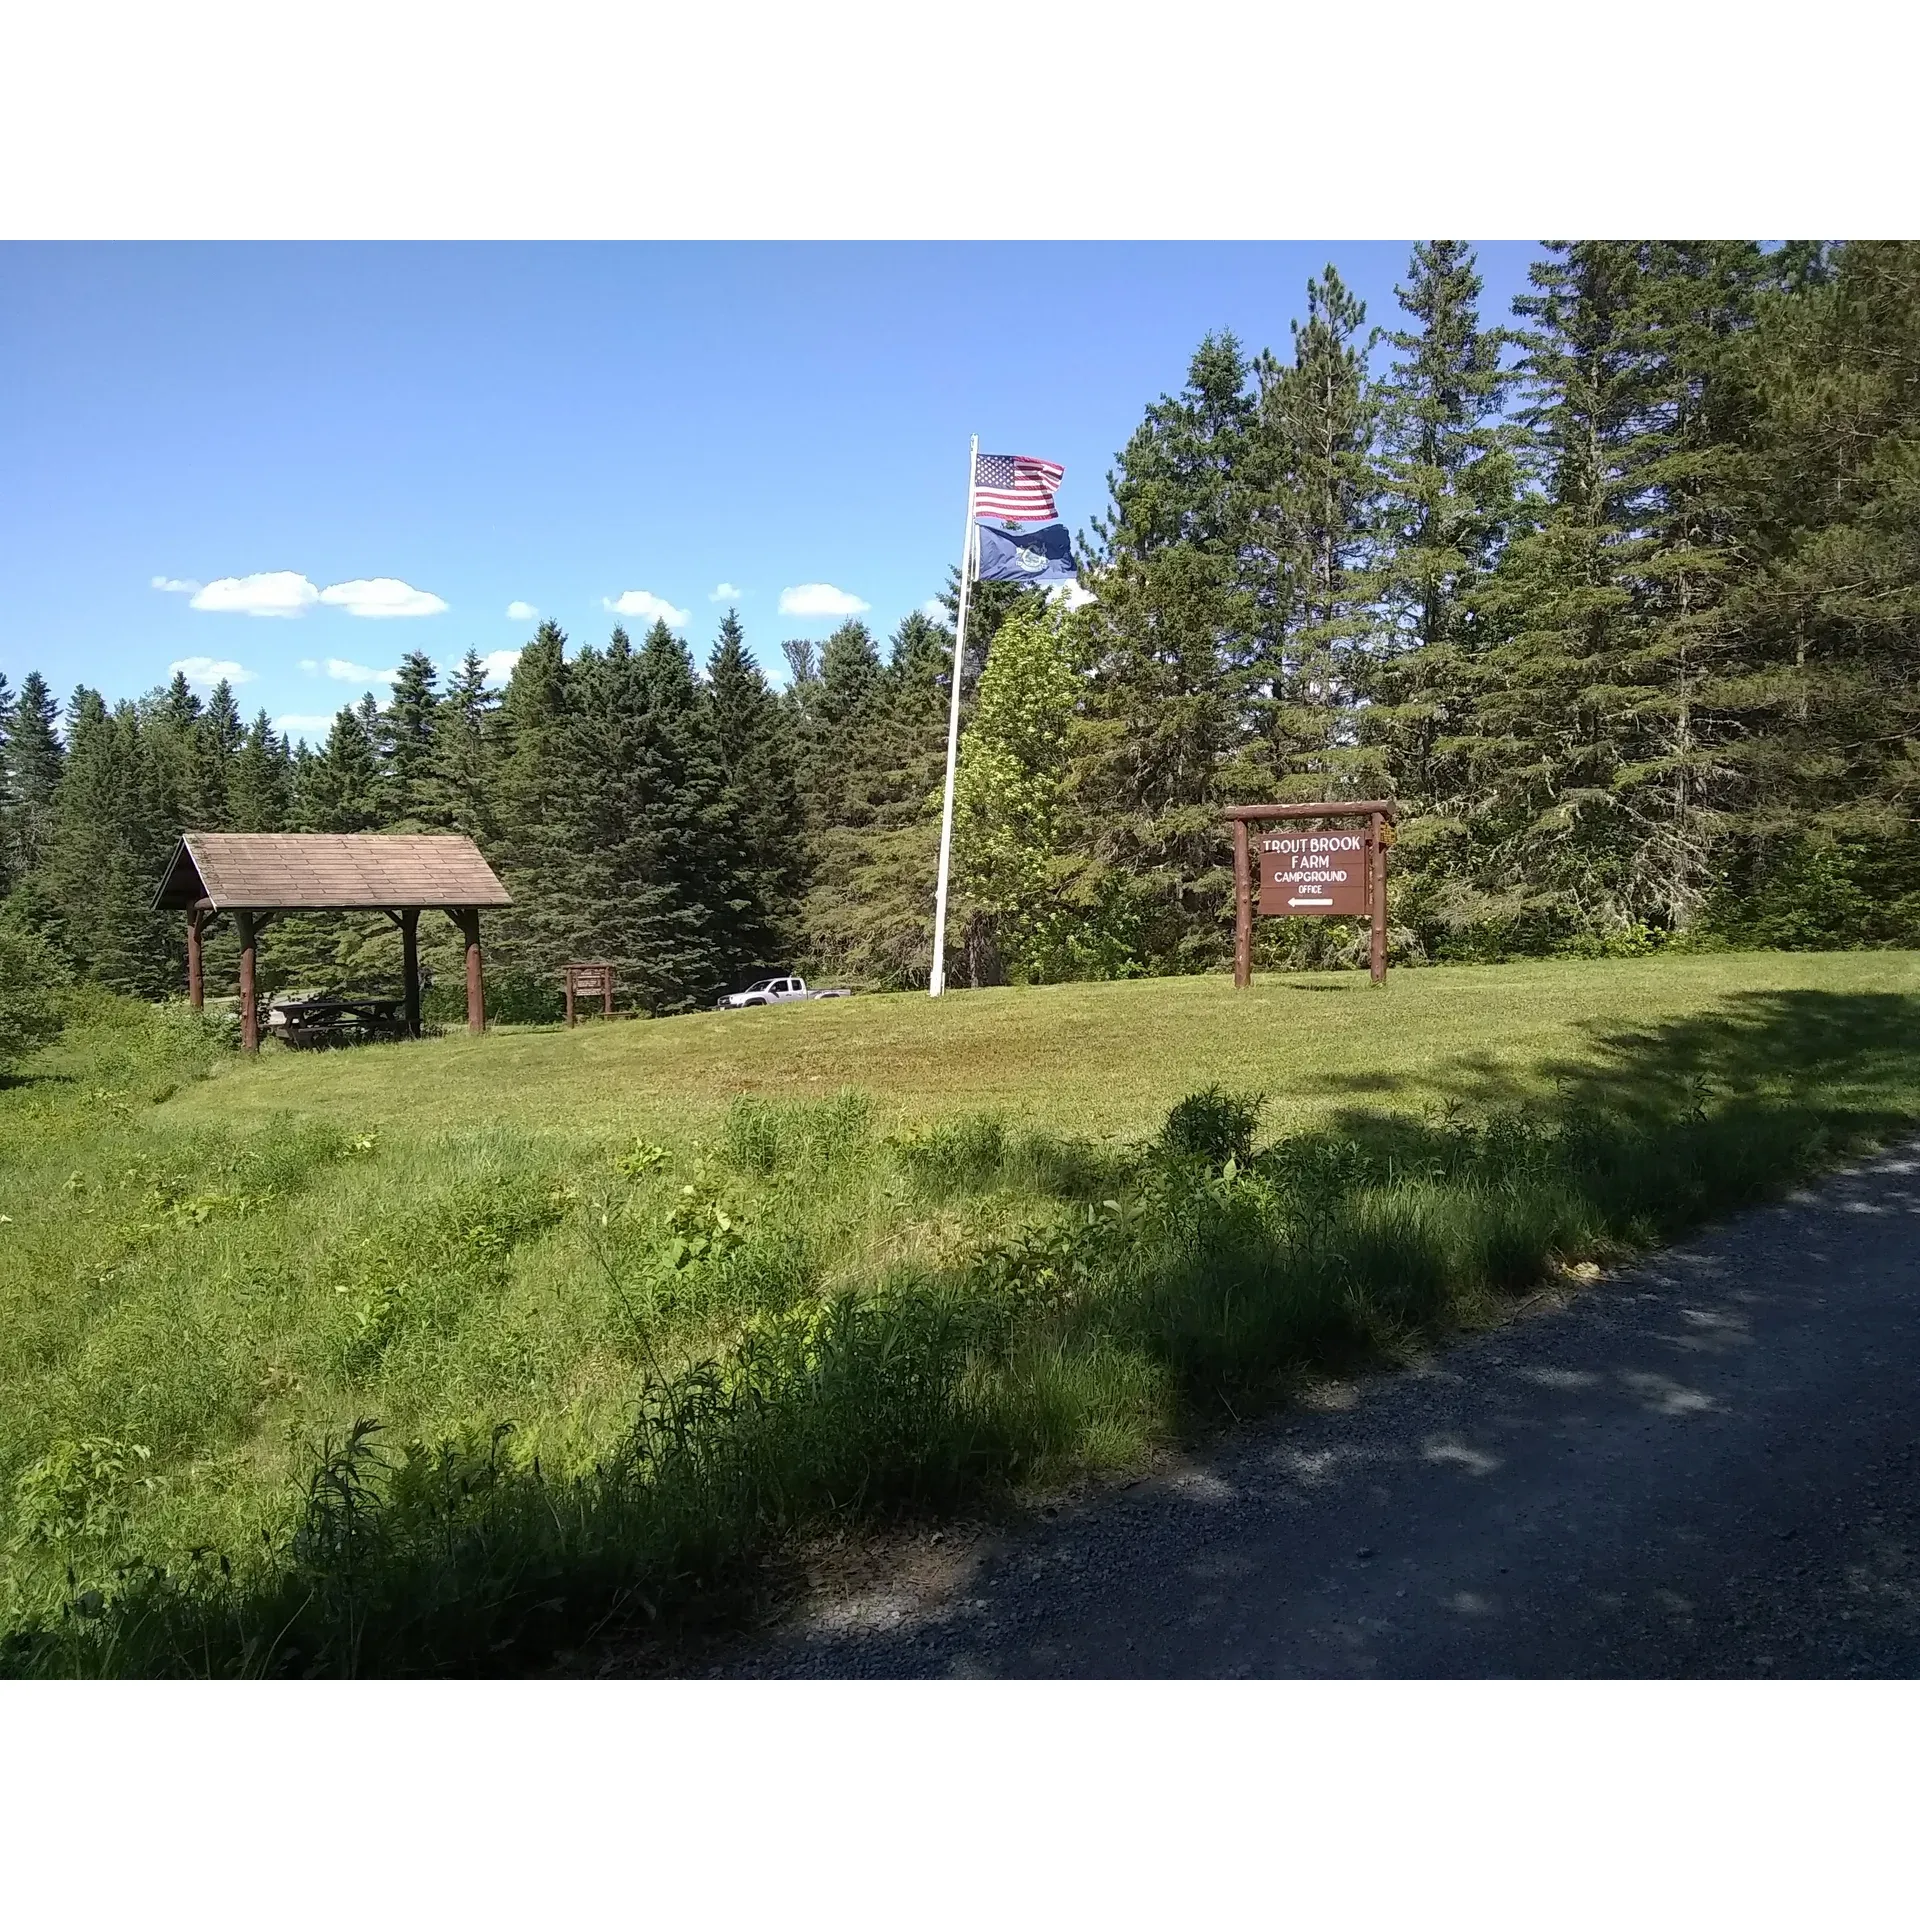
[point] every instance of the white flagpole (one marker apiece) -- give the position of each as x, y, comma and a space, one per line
936, 984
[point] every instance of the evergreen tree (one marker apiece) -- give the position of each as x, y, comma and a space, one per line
8, 703
1601, 755
1823, 604
260, 787
869, 912
173, 717
1167, 645
107, 851
1314, 528
533, 848
849, 677
1450, 482
32, 760
339, 789
753, 739
838, 727
463, 765
217, 745
408, 741
663, 885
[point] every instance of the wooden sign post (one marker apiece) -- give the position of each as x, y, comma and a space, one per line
1335, 865
590, 976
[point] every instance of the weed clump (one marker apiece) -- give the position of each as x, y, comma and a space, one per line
1212, 1125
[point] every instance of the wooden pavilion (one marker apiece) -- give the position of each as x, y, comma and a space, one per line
254, 876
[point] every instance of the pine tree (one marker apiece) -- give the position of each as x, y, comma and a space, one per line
1167, 645
407, 739
106, 852
663, 886
464, 756
8, 703
837, 726
849, 676
217, 744
1450, 482
869, 911
1314, 530
339, 789
1823, 606
260, 787
34, 759
753, 738
1602, 757
534, 801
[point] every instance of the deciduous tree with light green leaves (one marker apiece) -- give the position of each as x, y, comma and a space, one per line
1008, 796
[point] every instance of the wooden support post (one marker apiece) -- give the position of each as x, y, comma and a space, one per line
569, 977
1242, 908
606, 993
469, 924
410, 966
196, 972
1377, 898
249, 1021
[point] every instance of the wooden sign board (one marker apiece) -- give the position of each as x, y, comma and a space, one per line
589, 977
1316, 871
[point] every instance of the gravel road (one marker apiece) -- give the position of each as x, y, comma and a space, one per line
1702, 1466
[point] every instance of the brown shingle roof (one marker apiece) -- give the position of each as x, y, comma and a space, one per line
330, 870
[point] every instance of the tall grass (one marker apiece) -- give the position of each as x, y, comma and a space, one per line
293, 1399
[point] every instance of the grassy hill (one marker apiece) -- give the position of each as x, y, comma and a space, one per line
1105, 1060
633, 1304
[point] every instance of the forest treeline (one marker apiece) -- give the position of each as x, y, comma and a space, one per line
1617, 595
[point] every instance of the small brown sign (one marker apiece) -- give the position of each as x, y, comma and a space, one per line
1321, 871
589, 977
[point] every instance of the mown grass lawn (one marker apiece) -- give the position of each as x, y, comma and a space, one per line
1104, 1060
630, 1304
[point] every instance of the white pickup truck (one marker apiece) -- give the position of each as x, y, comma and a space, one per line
777, 991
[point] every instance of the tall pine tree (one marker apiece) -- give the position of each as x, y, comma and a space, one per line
1450, 496
753, 739
1165, 646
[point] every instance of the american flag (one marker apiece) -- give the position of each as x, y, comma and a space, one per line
1015, 486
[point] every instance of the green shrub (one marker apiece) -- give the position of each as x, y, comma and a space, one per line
1214, 1126
30, 1002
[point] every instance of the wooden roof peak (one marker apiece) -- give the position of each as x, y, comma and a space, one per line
329, 870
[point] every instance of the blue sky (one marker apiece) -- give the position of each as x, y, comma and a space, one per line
557, 426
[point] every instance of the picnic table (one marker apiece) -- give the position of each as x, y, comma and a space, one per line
329, 1021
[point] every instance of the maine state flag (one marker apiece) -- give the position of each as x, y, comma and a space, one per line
1037, 555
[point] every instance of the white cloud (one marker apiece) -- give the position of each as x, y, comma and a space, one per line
277, 595
1073, 593
648, 606
383, 599
309, 666
726, 590
164, 585
203, 672
522, 610
501, 662
311, 726
817, 600
362, 676
936, 610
